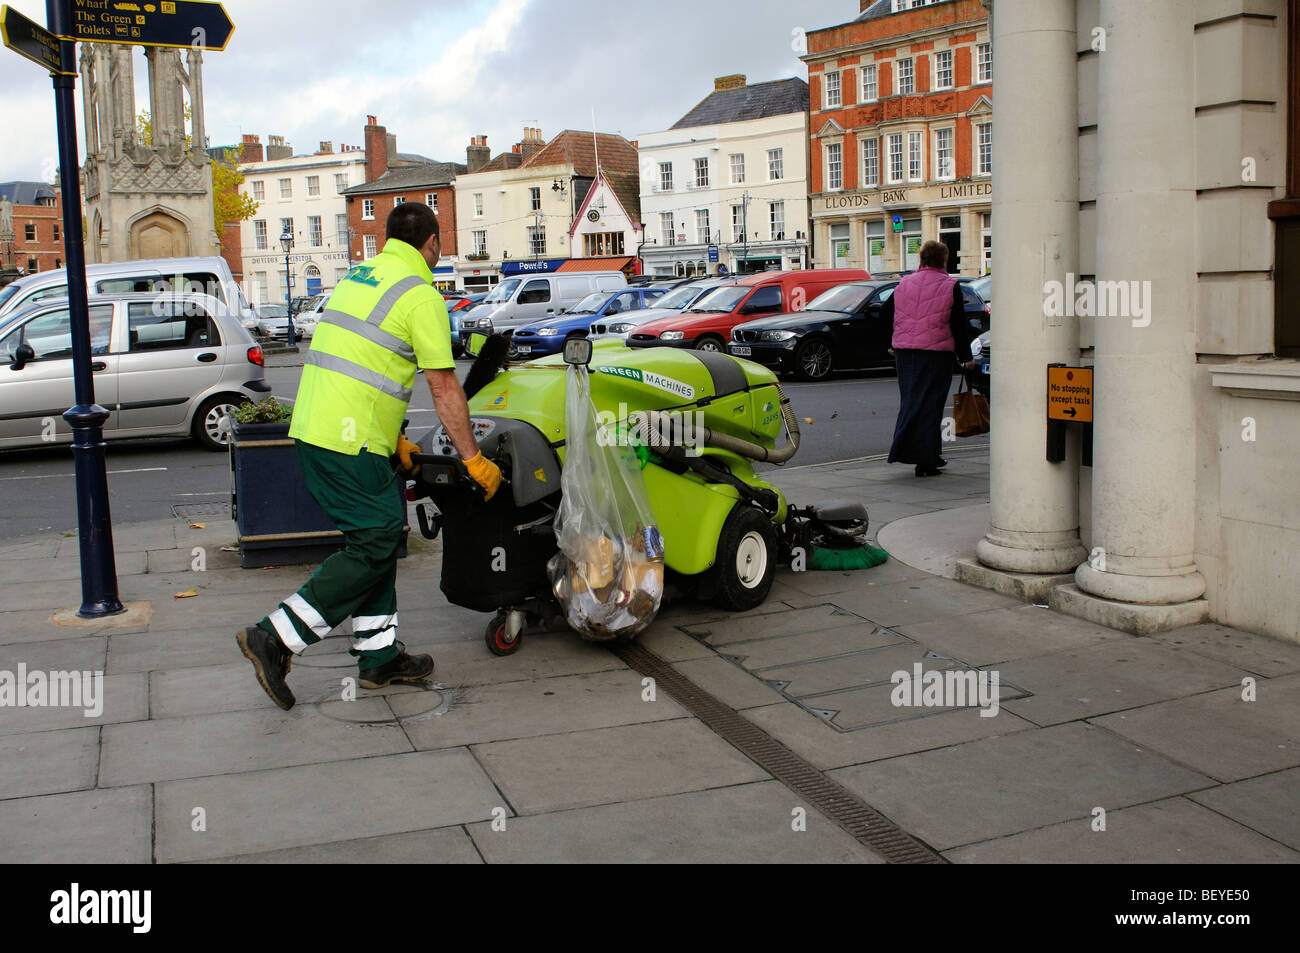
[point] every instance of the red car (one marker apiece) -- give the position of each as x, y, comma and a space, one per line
706, 325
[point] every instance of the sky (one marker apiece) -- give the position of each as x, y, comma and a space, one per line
437, 72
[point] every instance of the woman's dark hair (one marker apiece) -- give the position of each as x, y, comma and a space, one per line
933, 254
412, 222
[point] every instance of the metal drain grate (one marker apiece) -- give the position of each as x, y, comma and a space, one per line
191, 511
867, 825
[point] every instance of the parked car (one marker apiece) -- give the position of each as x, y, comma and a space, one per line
164, 366
707, 324
840, 329
978, 376
275, 327
674, 302
519, 301
151, 275
547, 337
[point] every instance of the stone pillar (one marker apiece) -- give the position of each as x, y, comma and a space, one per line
1034, 511
1144, 455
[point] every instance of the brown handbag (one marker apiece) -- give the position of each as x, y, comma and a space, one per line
970, 411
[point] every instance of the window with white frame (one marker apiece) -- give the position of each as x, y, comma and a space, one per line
946, 166
537, 239
870, 89
665, 176
340, 181
478, 204
480, 242
943, 69
398, 200
870, 162
905, 82
737, 223
368, 209
832, 90
775, 164
286, 225
984, 63
371, 244
341, 229
702, 173
315, 233
667, 230
984, 148
313, 185
286, 188
895, 158
431, 200
535, 198
834, 166
737, 168
915, 141
702, 232
259, 191
259, 234
776, 220
261, 287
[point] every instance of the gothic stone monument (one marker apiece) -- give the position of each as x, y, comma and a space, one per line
144, 201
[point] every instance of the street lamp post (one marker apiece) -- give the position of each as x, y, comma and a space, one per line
286, 242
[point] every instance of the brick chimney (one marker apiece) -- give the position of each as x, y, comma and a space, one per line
477, 153
326, 149
734, 81
376, 149
277, 148
250, 150
531, 144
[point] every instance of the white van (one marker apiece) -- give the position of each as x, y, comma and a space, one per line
156, 275
527, 298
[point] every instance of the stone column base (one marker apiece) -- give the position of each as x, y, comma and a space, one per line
1128, 617
1029, 587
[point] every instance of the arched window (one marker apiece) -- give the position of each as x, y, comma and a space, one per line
681, 270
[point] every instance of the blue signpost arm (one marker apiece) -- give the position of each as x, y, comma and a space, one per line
98, 569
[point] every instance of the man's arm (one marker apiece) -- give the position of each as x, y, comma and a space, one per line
453, 410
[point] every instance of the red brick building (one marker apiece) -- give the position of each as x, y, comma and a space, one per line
38, 227
391, 179
901, 136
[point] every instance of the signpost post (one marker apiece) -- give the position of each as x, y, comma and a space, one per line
183, 23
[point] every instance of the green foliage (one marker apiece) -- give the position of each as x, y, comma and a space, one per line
269, 411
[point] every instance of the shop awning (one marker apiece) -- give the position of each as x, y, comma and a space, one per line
598, 264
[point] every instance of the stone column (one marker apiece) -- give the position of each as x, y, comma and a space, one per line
1144, 463
1034, 512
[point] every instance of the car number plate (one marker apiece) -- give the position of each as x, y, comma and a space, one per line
741, 350
524, 348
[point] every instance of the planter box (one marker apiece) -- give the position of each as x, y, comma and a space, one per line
278, 521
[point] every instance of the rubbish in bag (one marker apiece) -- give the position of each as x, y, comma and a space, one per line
609, 572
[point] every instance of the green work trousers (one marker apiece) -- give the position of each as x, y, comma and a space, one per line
360, 494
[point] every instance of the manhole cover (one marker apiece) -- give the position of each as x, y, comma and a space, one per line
416, 702
190, 511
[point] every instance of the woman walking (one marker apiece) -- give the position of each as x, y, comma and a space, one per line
930, 329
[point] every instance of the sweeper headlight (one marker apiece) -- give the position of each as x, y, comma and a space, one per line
776, 336
672, 335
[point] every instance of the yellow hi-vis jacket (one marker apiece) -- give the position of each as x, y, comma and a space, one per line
384, 321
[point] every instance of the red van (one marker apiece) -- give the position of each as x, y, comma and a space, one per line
707, 324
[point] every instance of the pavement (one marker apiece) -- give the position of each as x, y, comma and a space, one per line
1091, 746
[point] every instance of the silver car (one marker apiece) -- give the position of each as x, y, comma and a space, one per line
164, 366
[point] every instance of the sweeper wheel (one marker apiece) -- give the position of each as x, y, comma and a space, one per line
497, 640
746, 559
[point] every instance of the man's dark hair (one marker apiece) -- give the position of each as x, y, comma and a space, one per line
412, 222
933, 254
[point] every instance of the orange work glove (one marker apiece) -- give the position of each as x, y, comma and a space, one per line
485, 473
404, 450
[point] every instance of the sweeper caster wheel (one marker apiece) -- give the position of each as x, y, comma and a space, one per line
746, 559
498, 637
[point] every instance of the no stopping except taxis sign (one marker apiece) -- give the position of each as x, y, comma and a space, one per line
1069, 394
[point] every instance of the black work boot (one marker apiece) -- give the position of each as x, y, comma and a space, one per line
404, 669
271, 661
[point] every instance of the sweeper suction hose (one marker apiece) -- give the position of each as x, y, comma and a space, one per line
658, 429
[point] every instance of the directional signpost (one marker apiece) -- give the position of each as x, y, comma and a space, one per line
183, 23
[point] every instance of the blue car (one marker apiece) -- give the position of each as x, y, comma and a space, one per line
548, 336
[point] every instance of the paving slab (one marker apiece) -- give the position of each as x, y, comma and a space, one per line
48, 762
1113, 676
544, 655
1220, 734
729, 683
827, 748
999, 635
82, 655
922, 599
37, 625
584, 768
525, 709
671, 644
85, 827
47, 594
63, 570
1258, 654
321, 804
1269, 804
213, 558
782, 622
125, 698
860, 669
745, 824
772, 651
859, 709
447, 845
32, 548
168, 651
129, 538
1171, 831
1010, 783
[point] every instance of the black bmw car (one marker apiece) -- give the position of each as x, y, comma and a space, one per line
841, 329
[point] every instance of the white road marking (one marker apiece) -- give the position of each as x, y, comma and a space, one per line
46, 476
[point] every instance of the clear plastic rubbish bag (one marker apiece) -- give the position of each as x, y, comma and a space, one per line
609, 572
